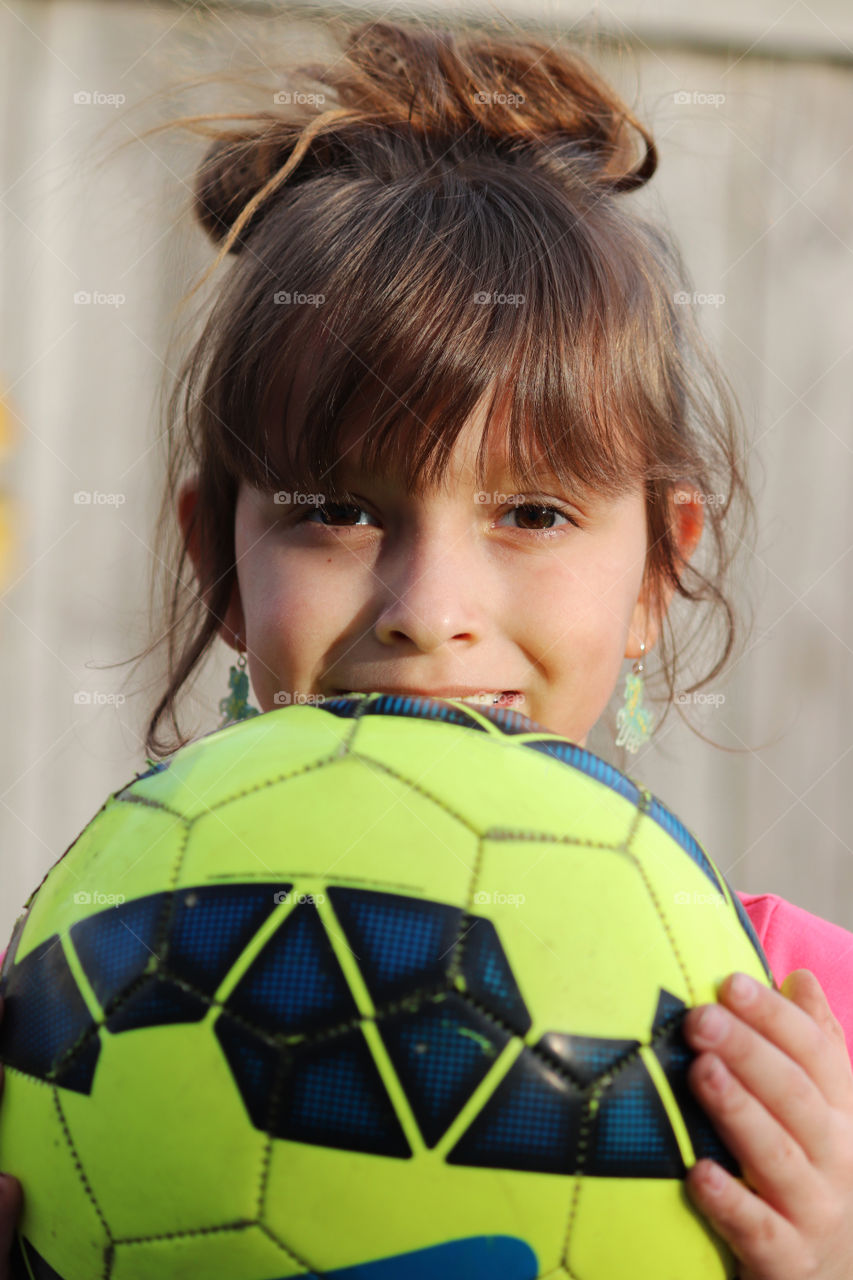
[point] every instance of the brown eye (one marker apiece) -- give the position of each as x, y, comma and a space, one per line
532, 515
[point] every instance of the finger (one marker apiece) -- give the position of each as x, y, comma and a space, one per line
780, 1020
772, 1162
802, 987
755, 1233
11, 1199
776, 1081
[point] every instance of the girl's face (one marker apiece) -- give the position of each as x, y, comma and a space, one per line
455, 592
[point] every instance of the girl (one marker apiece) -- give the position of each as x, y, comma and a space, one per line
447, 431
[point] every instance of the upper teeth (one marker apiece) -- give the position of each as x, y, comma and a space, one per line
486, 697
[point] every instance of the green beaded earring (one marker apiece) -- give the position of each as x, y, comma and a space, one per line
634, 720
235, 706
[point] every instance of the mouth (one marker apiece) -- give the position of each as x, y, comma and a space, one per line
478, 698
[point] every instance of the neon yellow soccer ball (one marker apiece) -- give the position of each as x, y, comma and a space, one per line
379, 989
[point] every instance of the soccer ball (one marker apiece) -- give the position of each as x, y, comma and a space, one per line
379, 989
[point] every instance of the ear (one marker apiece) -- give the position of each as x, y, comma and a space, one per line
687, 518
233, 626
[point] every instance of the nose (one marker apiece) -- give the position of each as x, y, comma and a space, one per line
430, 592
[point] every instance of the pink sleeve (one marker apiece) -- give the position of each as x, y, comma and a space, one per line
795, 939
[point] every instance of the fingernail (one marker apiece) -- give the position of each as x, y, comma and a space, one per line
713, 1177
742, 989
711, 1024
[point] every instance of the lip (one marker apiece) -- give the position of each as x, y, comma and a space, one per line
457, 691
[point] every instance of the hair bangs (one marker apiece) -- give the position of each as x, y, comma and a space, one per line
393, 348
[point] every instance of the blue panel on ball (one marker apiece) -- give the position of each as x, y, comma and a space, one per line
675, 1055
116, 945
585, 1058
489, 978
630, 1135
155, 1003
441, 1053
334, 1096
345, 708
79, 1071
45, 1016
401, 943
295, 983
421, 708
532, 1122
211, 926
254, 1064
478, 1258
669, 1008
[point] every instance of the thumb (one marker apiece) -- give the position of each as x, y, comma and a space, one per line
11, 1198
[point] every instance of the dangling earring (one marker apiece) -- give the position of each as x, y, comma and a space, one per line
235, 706
634, 720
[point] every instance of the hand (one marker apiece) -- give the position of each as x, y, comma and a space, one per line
784, 1108
10, 1206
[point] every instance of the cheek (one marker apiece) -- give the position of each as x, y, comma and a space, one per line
292, 609
583, 608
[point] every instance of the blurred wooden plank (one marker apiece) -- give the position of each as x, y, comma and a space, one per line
822, 29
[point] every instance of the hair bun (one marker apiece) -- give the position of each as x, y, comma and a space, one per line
239, 166
512, 88
469, 93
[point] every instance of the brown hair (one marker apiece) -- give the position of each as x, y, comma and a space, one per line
451, 167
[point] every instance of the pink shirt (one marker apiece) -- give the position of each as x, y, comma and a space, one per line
795, 939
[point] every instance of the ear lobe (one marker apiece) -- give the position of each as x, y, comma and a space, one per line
645, 625
187, 500
232, 627
687, 519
